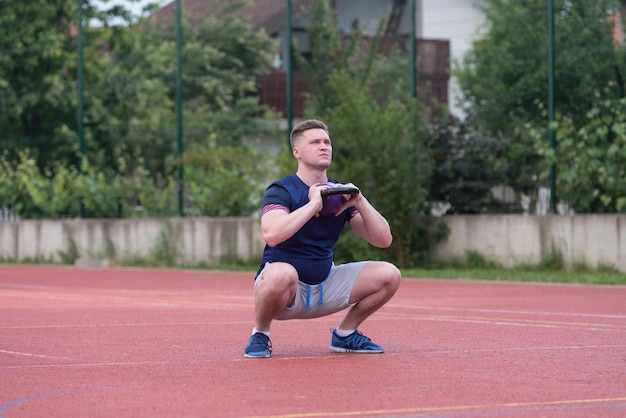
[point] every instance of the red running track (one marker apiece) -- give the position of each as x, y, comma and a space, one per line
169, 343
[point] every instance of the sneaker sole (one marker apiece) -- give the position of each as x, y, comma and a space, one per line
349, 350
257, 355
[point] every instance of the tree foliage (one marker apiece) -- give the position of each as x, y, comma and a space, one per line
133, 112
504, 77
37, 84
131, 159
383, 148
130, 82
505, 74
591, 159
467, 166
38, 74
130, 120
224, 181
379, 132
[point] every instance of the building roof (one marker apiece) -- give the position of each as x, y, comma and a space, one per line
267, 14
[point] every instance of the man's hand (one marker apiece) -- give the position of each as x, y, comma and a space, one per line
315, 196
349, 199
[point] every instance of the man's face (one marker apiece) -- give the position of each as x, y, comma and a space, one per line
313, 148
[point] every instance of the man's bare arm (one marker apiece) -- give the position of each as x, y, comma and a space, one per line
278, 226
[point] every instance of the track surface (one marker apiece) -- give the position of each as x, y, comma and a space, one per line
169, 343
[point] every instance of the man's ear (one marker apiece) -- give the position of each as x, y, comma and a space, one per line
296, 152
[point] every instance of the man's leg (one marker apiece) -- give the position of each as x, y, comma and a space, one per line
377, 282
275, 289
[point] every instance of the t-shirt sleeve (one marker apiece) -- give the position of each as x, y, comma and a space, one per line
276, 197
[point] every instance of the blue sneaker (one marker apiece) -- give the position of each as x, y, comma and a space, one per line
259, 345
353, 343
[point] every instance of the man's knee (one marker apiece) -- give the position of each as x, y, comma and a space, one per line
393, 276
279, 276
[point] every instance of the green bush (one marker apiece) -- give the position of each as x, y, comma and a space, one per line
590, 161
221, 181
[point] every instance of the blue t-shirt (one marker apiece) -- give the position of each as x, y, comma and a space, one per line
309, 250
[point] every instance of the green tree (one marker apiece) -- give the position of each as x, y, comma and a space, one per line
467, 165
130, 86
504, 77
380, 134
333, 51
130, 118
591, 159
37, 85
132, 112
38, 74
226, 181
383, 147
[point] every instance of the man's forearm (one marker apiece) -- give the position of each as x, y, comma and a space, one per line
279, 228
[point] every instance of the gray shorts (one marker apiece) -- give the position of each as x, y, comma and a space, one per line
328, 297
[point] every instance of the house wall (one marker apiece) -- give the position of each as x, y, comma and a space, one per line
433, 56
367, 12
457, 21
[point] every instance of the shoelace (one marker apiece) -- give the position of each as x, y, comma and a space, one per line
357, 340
262, 339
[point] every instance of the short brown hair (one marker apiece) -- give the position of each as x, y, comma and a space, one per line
305, 125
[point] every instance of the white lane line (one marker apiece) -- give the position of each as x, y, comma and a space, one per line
64, 366
17, 353
505, 311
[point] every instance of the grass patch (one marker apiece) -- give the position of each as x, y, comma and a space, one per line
551, 270
149, 263
472, 269
475, 270
522, 274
